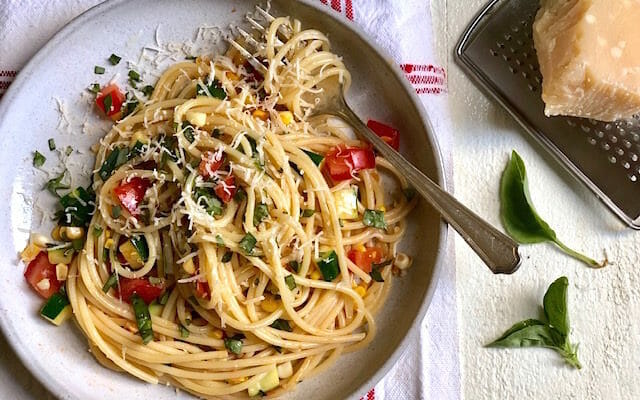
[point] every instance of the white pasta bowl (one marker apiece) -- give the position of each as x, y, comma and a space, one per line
63, 69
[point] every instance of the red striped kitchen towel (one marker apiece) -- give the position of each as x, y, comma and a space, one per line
430, 368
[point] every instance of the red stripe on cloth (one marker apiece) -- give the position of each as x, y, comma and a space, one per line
426, 79
371, 395
430, 90
409, 68
336, 5
348, 5
4, 85
324, 1
8, 73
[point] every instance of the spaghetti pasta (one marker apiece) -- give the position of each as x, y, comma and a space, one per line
221, 205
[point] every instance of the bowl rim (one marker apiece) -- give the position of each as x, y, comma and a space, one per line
26, 72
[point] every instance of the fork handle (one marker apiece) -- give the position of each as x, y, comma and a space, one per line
498, 251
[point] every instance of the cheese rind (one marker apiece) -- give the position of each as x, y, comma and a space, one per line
589, 55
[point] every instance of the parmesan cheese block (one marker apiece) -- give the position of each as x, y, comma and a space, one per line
589, 53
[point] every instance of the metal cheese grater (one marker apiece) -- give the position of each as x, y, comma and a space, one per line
497, 51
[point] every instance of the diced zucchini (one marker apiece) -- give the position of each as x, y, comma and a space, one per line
60, 256
269, 381
196, 118
346, 203
30, 252
285, 370
155, 309
57, 309
130, 253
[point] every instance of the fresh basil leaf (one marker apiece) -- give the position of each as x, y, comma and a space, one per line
108, 102
55, 184
374, 218
134, 76
97, 230
282, 325
78, 207
294, 265
227, 257
148, 90
260, 213
528, 333
184, 332
247, 243
206, 197
308, 213
316, 158
112, 281
38, 159
376, 275
555, 305
115, 159
212, 90
520, 218
328, 265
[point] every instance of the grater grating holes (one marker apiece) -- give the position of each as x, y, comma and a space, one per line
519, 56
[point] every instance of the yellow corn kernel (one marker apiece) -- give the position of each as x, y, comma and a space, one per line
286, 117
216, 334
237, 58
382, 208
29, 253
232, 76
361, 291
109, 244
261, 114
55, 234
131, 254
189, 266
316, 275
236, 381
269, 304
107, 234
71, 232
360, 247
62, 270
248, 99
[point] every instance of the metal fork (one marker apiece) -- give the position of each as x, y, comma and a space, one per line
498, 251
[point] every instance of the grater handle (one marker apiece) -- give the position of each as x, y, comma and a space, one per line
498, 251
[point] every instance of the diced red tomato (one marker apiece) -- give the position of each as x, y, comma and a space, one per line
40, 268
130, 193
226, 189
117, 98
210, 163
365, 259
342, 163
202, 289
390, 135
141, 286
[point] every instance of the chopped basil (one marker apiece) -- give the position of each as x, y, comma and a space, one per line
115, 159
374, 218
52, 144
110, 283
55, 184
134, 76
140, 243
192, 299
98, 70
108, 103
184, 332
116, 211
188, 131
94, 88
163, 300
316, 158
68, 150
308, 212
114, 59
191, 58
278, 349
233, 345
141, 311
240, 195
329, 266
77, 244
375, 273
78, 207
290, 281
129, 105
148, 90
247, 243
38, 159
219, 241
97, 230
212, 90
294, 265
227, 256
206, 197
216, 133
137, 149
260, 213
282, 325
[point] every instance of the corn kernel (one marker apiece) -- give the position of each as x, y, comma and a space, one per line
71, 232
189, 266
39, 239
55, 234
286, 117
316, 275
236, 381
109, 243
269, 304
29, 253
261, 114
232, 76
382, 208
360, 247
237, 58
361, 291
249, 99
107, 234
130, 253
62, 270
216, 334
